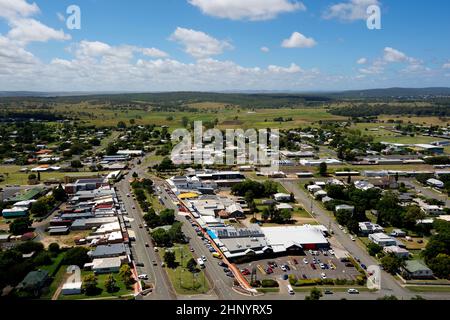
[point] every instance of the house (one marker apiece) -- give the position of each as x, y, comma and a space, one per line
284, 206
397, 251
382, 239
344, 207
106, 265
282, 197
109, 251
435, 183
363, 185
366, 228
235, 211
313, 188
326, 199
320, 194
398, 233
34, 281
414, 269
15, 212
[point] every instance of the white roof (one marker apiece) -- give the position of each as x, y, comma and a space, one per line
281, 238
282, 206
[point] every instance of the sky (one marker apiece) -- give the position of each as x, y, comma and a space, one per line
222, 45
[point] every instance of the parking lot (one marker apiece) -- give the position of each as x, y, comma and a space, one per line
302, 266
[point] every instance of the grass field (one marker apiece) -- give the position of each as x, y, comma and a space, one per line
185, 282
429, 288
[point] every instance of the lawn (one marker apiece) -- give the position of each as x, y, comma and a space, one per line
429, 288
185, 282
102, 293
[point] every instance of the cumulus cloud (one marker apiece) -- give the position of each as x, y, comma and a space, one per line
265, 49
30, 30
293, 68
13, 9
252, 10
298, 40
349, 11
154, 53
362, 61
446, 65
199, 44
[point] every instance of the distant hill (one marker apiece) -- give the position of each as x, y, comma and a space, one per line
393, 93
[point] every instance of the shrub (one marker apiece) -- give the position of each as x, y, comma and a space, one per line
269, 283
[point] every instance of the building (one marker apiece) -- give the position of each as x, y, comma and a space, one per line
110, 251
284, 206
414, 269
398, 233
344, 207
15, 212
363, 185
316, 163
295, 238
282, 197
397, 251
106, 265
429, 148
71, 288
382, 239
34, 281
366, 228
435, 183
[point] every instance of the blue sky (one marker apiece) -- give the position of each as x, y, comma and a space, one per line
223, 45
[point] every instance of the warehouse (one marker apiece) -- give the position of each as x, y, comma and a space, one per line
283, 239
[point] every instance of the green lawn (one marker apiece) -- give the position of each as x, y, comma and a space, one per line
429, 288
101, 279
185, 282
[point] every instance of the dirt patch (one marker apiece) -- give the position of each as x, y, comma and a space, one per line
66, 240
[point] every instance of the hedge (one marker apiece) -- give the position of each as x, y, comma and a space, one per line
269, 283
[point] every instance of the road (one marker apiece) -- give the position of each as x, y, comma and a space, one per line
389, 286
427, 191
163, 288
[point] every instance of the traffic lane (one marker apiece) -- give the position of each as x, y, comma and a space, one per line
220, 282
388, 284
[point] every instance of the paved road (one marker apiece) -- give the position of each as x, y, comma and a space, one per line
427, 191
163, 288
388, 285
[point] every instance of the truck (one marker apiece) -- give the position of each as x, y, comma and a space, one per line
200, 262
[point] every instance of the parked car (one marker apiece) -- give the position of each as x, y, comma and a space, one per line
352, 291
283, 268
139, 264
143, 277
156, 249
230, 274
285, 277
203, 258
305, 261
154, 263
222, 264
313, 266
323, 275
191, 249
295, 261
269, 270
328, 292
245, 272
147, 245
363, 266
304, 276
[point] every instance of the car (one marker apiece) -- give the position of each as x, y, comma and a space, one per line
305, 261
128, 195
147, 245
143, 277
140, 226
287, 267
313, 266
139, 264
363, 266
326, 266
331, 251
357, 259
269, 270
310, 251
145, 225
323, 275
314, 260
295, 261
245, 272
283, 268
322, 266
284, 277
163, 264
352, 238
133, 207
324, 253
203, 258
304, 276
340, 227
328, 292
230, 274
222, 264
212, 250
191, 249
352, 291
345, 231
156, 249
318, 261
349, 265
154, 263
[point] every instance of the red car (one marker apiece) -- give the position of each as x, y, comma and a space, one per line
313, 266
295, 261
269, 270
245, 272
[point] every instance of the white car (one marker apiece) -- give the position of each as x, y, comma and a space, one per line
143, 277
352, 238
203, 258
345, 231
353, 291
322, 266
323, 276
341, 227
331, 252
283, 268
305, 261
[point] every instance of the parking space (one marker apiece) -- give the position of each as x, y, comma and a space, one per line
310, 265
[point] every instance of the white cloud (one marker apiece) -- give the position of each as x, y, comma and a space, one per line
12, 9
446, 65
154, 53
252, 10
29, 30
61, 17
394, 55
298, 40
265, 49
362, 61
349, 11
199, 44
293, 68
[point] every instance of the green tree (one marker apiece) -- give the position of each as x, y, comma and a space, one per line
76, 164
90, 284
192, 265
110, 284
39, 208
126, 275
76, 256
392, 263
323, 168
59, 194
440, 266
162, 238
20, 226
167, 216
170, 259
315, 294
54, 248
152, 219
374, 249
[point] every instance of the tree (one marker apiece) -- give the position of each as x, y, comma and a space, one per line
162, 238
170, 259
121, 125
176, 233
126, 275
110, 284
315, 294
440, 266
192, 265
19, 226
54, 248
39, 208
32, 177
374, 249
167, 216
184, 121
410, 217
286, 215
152, 219
135, 175
59, 194
111, 149
76, 256
323, 168
76, 164
391, 263
90, 284
265, 215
